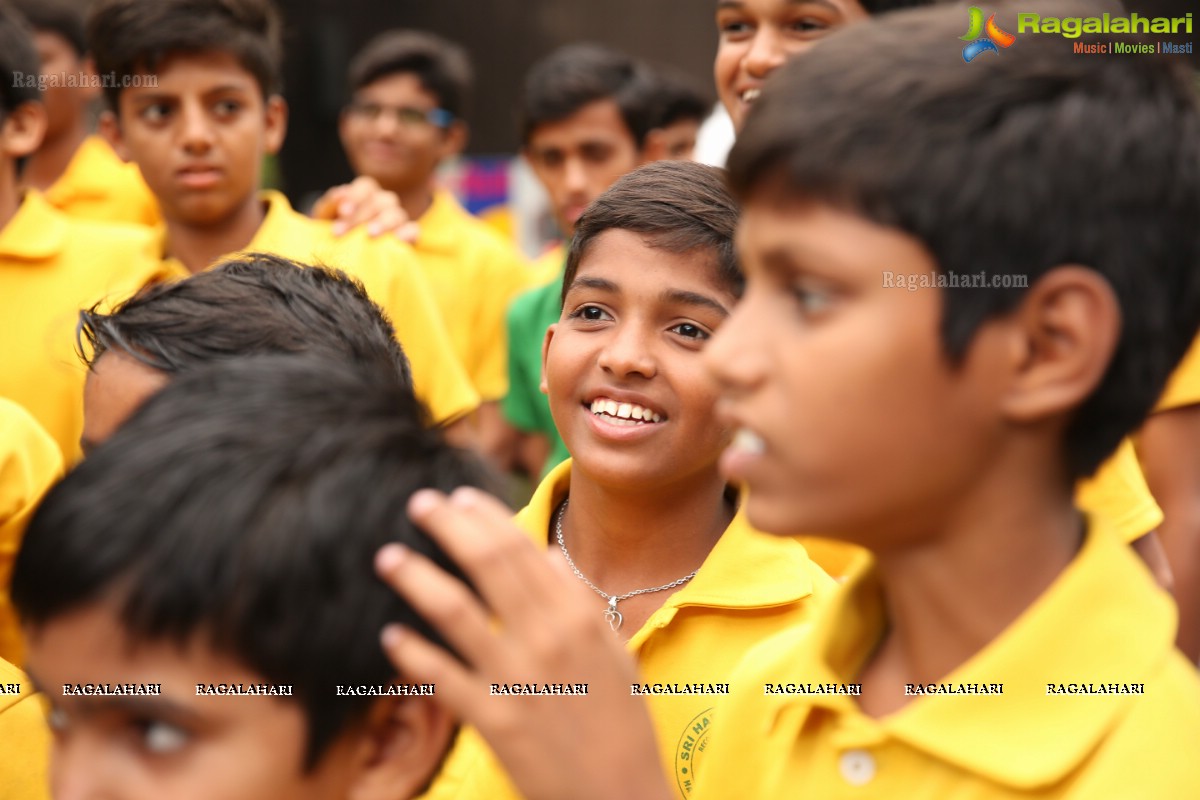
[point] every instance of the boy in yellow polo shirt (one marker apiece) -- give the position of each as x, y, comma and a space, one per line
405, 117
640, 512
198, 132
76, 170
50, 266
947, 322
1047, 648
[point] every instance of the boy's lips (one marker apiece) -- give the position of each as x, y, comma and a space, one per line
622, 416
740, 456
199, 177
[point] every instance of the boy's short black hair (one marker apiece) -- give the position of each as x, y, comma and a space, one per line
58, 17
19, 62
677, 206
127, 37
677, 98
243, 506
578, 74
1014, 163
257, 303
442, 67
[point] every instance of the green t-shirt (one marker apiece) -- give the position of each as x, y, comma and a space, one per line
525, 407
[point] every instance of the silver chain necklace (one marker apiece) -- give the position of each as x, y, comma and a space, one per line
611, 615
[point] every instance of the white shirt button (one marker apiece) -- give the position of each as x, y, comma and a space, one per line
857, 767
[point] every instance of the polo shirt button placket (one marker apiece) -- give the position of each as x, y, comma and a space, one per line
857, 767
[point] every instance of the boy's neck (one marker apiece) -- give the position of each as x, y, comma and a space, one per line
10, 194
625, 540
51, 160
948, 597
415, 200
197, 247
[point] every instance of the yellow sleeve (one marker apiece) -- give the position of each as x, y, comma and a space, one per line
1118, 492
439, 378
30, 462
1183, 387
24, 740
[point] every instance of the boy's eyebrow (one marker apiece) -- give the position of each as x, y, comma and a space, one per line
151, 96
599, 284
741, 4
679, 296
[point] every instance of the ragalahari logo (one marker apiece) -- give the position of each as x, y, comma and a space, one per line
982, 36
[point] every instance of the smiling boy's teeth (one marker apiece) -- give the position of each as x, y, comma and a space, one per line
627, 413
749, 442
750, 95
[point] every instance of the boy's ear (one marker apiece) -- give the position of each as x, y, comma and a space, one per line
1063, 337
402, 745
545, 351
275, 129
23, 129
110, 129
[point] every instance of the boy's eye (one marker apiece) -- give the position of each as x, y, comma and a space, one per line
590, 313
596, 153
161, 738
812, 301
550, 158
808, 25
155, 112
227, 108
689, 331
733, 28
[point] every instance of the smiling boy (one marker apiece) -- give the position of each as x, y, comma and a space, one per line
640, 514
199, 132
226, 503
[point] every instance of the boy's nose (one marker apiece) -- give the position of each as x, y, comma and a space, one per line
767, 52
626, 354
575, 176
197, 131
732, 357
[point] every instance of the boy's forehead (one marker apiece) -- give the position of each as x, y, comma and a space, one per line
599, 121
398, 83
607, 265
199, 70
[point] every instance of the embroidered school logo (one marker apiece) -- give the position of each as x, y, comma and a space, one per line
982, 37
690, 751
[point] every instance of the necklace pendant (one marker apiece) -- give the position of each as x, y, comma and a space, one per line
612, 616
